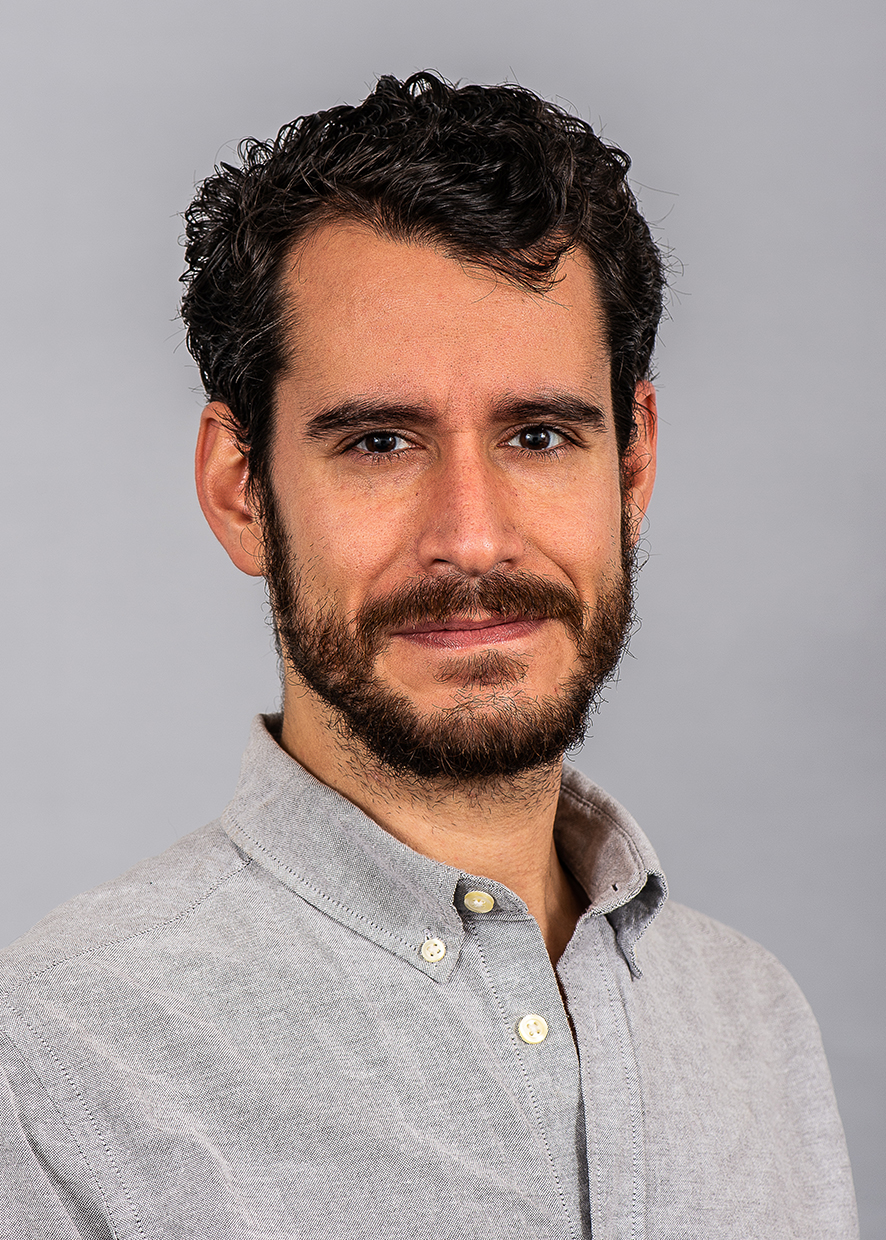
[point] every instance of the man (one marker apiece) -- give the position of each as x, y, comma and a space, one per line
420, 979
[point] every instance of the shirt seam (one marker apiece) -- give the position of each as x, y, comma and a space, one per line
109, 1155
535, 1107
618, 1011
327, 899
36, 974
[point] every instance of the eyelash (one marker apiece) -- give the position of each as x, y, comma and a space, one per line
542, 454
395, 454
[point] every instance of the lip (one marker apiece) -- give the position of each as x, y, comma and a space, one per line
456, 623
459, 632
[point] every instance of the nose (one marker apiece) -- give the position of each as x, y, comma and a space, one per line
470, 517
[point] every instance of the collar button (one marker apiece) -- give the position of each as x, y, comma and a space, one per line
433, 950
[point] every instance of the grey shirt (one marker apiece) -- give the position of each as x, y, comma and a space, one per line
291, 1025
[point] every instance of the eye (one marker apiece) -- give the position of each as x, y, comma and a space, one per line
537, 439
380, 443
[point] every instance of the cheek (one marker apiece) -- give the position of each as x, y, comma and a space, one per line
347, 545
582, 538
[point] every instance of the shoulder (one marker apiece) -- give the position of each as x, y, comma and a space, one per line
683, 934
704, 966
152, 901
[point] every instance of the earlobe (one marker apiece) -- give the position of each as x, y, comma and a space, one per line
222, 473
639, 462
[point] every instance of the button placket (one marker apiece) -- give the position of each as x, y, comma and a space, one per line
538, 1054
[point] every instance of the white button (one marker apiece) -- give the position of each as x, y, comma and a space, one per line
479, 901
533, 1028
433, 950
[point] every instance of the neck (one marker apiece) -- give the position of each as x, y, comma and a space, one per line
499, 829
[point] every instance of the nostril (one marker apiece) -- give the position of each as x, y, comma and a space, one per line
471, 537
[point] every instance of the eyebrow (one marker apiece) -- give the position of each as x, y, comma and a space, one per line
554, 407
353, 415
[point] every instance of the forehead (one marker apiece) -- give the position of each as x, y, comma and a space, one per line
374, 316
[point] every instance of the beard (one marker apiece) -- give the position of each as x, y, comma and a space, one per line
494, 729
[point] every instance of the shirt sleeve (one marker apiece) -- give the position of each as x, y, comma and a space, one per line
47, 1189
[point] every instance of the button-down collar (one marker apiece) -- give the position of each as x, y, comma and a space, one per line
366, 879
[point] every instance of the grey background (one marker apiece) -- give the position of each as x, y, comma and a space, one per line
746, 731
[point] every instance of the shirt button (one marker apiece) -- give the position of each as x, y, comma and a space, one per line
479, 901
433, 950
533, 1028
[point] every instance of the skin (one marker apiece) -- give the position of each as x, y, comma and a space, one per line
445, 370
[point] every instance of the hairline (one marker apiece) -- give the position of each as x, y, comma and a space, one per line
332, 213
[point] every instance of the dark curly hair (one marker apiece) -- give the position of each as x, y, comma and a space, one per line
492, 174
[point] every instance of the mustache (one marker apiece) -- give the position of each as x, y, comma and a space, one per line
436, 599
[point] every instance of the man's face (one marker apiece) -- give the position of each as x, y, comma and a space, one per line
445, 544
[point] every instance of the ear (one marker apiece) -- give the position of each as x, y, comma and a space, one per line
638, 467
222, 472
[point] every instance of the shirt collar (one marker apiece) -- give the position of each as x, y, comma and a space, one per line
323, 847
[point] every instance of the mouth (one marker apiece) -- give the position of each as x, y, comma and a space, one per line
460, 632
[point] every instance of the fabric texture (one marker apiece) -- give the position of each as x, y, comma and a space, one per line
242, 1038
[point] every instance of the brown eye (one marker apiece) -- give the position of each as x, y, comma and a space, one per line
381, 442
537, 439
